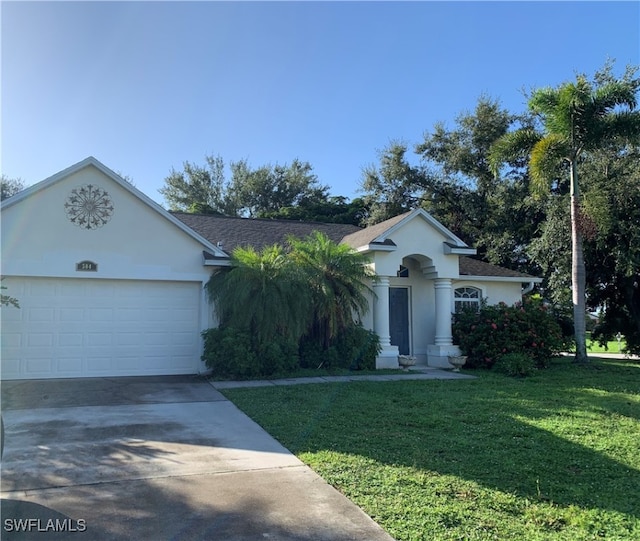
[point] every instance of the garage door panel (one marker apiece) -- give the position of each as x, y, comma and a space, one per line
101, 314
40, 339
40, 315
70, 339
125, 363
71, 314
10, 366
38, 366
41, 289
89, 327
127, 339
99, 339
182, 339
70, 365
11, 340
128, 314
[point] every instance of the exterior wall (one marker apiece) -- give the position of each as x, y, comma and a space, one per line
417, 238
137, 243
493, 291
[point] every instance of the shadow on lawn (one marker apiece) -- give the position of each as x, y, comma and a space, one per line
473, 431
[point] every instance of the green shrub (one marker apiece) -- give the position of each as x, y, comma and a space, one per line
493, 331
355, 348
517, 365
231, 353
358, 348
313, 355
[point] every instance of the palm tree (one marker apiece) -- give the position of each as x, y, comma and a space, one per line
262, 293
336, 277
576, 117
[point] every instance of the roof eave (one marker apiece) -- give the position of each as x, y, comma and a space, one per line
514, 279
377, 247
458, 250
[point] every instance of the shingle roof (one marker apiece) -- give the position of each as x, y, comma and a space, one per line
362, 237
233, 232
474, 267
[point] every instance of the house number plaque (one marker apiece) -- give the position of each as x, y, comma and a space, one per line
86, 266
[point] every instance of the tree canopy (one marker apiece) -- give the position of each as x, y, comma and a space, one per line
289, 191
10, 187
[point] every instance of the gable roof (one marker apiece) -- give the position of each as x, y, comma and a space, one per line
380, 234
230, 232
93, 162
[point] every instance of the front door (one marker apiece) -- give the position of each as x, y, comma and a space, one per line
399, 318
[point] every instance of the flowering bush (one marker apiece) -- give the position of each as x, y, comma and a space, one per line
527, 327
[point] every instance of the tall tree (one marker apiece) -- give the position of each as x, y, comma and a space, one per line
268, 189
611, 181
10, 187
576, 117
493, 213
199, 189
394, 186
256, 193
336, 210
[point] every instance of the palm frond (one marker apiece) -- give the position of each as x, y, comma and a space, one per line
546, 155
615, 93
511, 146
625, 124
543, 101
337, 278
261, 293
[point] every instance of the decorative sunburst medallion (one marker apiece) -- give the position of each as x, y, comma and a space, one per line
89, 207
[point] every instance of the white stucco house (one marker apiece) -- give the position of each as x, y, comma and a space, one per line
111, 284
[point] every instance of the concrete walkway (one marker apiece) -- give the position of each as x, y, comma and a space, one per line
420, 373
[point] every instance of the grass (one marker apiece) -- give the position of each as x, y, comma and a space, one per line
611, 347
319, 372
551, 457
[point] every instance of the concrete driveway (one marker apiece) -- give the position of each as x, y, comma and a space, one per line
156, 458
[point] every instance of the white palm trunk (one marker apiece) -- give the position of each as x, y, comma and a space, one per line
578, 273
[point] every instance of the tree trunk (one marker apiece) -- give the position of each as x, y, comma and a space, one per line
578, 273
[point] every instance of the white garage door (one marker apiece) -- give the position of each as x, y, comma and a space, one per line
67, 328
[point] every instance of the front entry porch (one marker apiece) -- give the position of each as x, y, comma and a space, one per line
414, 319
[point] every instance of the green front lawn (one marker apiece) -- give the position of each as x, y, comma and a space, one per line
612, 347
552, 457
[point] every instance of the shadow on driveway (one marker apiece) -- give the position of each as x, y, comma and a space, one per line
157, 458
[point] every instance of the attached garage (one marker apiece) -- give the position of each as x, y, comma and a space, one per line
89, 328
108, 282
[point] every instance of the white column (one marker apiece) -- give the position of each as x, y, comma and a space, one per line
443, 312
381, 312
388, 357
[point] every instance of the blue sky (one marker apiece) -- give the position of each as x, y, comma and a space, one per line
144, 86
